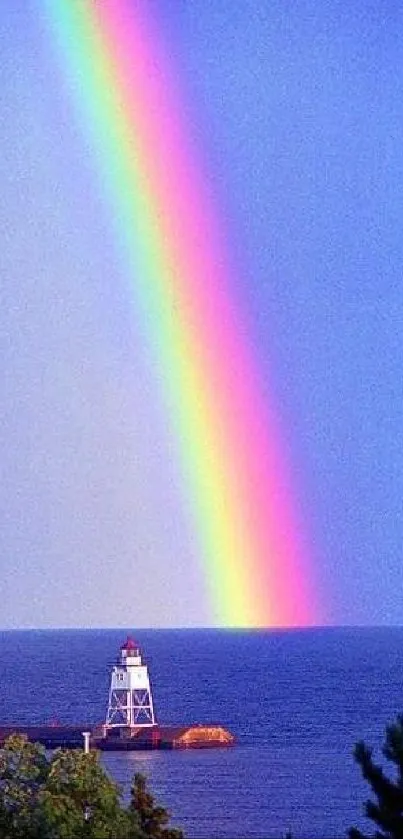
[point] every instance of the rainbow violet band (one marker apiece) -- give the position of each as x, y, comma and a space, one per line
127, 98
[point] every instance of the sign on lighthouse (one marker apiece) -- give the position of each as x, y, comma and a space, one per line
130, 703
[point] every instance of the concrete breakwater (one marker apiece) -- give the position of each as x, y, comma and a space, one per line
153, 737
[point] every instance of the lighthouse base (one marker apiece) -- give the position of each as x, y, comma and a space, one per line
164, 737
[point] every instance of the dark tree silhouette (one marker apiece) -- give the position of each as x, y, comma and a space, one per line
386, 808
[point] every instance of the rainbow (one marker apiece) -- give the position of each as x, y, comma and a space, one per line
127, 97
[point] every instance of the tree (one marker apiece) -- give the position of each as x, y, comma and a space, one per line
23, 772
79, 800
70, 796
152, 818
387, 810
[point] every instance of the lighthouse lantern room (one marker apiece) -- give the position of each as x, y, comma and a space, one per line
130, 704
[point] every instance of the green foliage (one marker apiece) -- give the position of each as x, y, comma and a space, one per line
153, 819
23, 773
386, 811
69, 796
80, 800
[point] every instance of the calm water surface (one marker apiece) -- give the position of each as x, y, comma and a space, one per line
297, 702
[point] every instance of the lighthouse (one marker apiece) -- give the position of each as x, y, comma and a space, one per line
130, 721
130, 703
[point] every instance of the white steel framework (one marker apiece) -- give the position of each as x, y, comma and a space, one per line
130, 702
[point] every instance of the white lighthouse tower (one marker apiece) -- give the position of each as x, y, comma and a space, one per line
130, 704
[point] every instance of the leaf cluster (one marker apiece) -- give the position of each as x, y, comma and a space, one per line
70, 796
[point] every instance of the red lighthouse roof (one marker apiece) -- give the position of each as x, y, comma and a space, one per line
129, 644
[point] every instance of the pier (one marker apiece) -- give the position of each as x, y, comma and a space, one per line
159, 737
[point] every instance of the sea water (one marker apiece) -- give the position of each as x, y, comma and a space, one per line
297, 701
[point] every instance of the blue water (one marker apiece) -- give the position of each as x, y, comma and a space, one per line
296, 701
